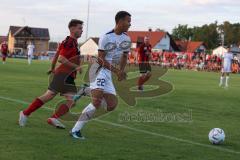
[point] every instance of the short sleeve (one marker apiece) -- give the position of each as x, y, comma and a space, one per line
66, 48
127, 45
63, 52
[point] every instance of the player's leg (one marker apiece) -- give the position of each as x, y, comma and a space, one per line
61, 110
29, 59
103, 100
66, 86
111, 101
87, 113
143, 79
147, 76
4, 58
102, 103
222, 78
227, 79
140, 82
37, 103
102, 86
143, 71
146, 70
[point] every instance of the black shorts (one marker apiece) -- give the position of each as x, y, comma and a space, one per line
62, 83
4, 55
144, 67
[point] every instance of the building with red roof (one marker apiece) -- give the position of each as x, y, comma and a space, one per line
191, 46
158, 39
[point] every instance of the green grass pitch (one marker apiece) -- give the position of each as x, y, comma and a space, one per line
196, 94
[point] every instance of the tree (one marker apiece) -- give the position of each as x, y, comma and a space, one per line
182, 32
210, 34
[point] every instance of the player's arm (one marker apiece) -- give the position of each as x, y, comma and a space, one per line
54, 62
140, 52
79, 64
222, 65
150, 57
64, 53
123, 61
67, 63
104, 63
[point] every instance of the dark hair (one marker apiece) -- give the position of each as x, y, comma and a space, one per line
74, 23
121, 15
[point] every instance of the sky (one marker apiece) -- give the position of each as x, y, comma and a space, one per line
163, 14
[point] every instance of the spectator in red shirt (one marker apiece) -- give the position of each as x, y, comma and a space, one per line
4, 51
155, 57
68, 56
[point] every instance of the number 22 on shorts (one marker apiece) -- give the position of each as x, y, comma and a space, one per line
100, 82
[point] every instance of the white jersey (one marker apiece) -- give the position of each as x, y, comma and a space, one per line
228, 57
114, 46
30, 48
227, 62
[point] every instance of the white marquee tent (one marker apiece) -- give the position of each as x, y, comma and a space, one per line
219, 51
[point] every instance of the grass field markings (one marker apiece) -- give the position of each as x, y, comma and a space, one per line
168, 137
138, 130
139, 95
146, 88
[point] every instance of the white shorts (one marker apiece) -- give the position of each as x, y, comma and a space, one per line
227, 69
102, 80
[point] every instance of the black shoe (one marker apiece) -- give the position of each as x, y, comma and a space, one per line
140, 88
76, 135
81, 92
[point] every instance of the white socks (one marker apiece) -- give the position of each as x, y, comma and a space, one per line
224, 80
86, 115
221, 81
29, 61
227, 80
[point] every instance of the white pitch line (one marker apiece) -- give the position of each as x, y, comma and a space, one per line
139, 130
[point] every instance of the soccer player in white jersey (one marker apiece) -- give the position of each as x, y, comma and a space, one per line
114, 47
226, 68
30, 49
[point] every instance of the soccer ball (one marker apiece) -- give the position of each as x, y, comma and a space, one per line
216, 136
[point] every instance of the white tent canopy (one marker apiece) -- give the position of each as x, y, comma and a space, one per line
89, 48
219, 51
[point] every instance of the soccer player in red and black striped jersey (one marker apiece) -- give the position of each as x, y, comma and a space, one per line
144, 54
68, 56
4, 51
